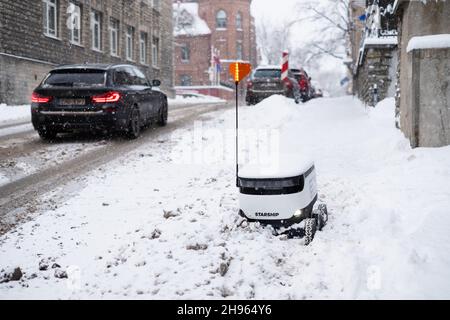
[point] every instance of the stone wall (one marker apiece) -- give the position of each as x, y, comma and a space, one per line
22, 36
424, 76
375, 70
19, 77
429, 109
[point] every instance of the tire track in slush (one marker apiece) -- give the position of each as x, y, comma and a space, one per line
17, 194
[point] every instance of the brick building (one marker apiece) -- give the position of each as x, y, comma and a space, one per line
207, 28
36, 35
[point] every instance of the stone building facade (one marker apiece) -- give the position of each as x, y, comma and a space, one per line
375, 55
36, 35
208, 28
423, 105
413, 65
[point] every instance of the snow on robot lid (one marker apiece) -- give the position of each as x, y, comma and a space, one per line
284, 166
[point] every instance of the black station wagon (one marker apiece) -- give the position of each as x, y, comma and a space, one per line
113, 98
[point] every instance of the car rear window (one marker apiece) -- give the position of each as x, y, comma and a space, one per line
267, 73
76, 78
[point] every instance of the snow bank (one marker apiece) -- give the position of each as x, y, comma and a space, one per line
148, 227
381, 41
436, 41
274, 113
194, 99
14, 113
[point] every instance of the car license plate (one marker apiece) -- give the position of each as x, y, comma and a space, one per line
269, 85
72, 102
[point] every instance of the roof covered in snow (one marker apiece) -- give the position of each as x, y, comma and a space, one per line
381, 41
437, 41
187, 21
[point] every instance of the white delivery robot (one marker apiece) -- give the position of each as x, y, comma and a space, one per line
282, 197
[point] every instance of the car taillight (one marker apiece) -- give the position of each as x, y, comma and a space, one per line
288, 83
37, 98
107, 97
303, 84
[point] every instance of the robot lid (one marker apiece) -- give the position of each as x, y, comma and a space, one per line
282, 167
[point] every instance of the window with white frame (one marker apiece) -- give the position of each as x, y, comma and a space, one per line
96, 28
185, 52
221, 19
50, 17
239, 21
114, 37
155, 4
155, 51
129, 43
74, 25
239, 51
185, 80
143, 47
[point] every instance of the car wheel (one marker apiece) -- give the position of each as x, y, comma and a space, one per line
47, 134
164, 114
134, 124
297, 98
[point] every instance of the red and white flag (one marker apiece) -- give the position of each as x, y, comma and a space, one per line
285, 66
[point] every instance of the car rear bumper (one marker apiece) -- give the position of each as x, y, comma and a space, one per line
69, 121
262, 94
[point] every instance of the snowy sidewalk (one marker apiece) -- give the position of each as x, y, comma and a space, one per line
14, 114
149, 226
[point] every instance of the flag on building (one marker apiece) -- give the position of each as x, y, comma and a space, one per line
217, 62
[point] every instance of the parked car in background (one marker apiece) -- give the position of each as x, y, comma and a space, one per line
316, 91
113, 98
266, 81
304, 81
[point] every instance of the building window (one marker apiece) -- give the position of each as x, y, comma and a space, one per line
239, 21
155, 52
185, 80
143, 47
239, 51
221, 19
114, 36
185, 52
155, 4
50, 13
96, 28
129, 43
74, 23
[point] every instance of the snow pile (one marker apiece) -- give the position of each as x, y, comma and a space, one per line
14, 113
274, 113
436, 41
191, 99
147, 226
187, 20
381, 41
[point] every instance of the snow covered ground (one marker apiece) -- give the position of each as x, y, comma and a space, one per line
14, 113
162, 221
195, 98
